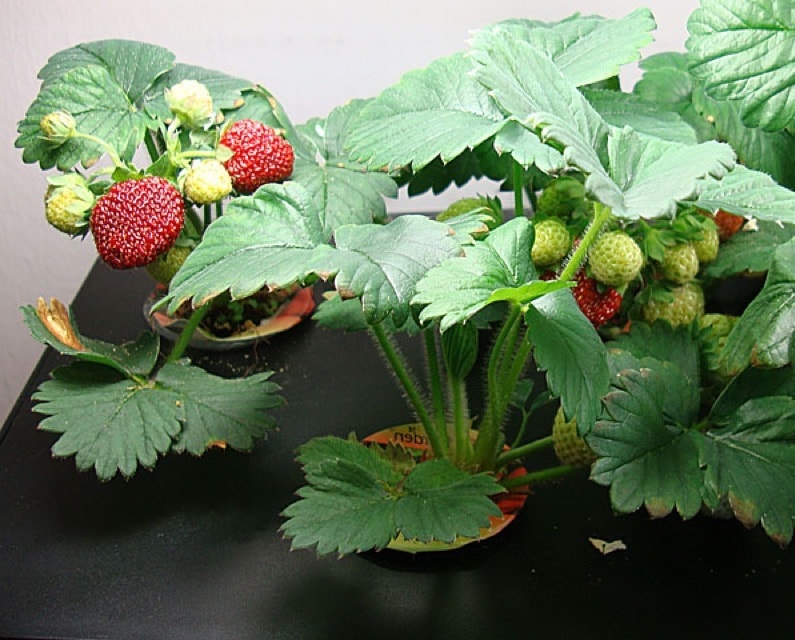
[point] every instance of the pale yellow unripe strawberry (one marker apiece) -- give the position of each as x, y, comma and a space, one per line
207, 181
570, 447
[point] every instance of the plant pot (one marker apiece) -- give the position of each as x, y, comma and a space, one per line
217, 333
412, 436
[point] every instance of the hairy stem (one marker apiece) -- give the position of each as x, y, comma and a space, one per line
435, 380
401, 369
463, 443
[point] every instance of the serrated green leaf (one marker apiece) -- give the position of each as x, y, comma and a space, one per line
346, 314
587, 49
568, 348
751, 251
457, 289
744, 51
750, 384
526, 149
439, 111
136, 358
666, 81
99, 106
460, 349
382, 264
442, 502
646, 453
676, 345
355, 500
748, 193
128, 425
765, 333
625, 109
219, 410
751, 464
344, 191
270, 238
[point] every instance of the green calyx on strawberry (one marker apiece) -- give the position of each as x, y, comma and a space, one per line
598, 304
570, 447
615, 259
68, 203
552, 242
191, 102
165, 266
57, 127
259, 155
136, 221
206, 181
680, 305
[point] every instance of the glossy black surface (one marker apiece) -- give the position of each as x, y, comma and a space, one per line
191, 549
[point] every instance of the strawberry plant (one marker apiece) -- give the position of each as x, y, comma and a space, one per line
660, 395
147, 153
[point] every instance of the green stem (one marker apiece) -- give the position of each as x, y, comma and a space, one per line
463, 443
219, 209
112, 153
518, 189
526, 449
489, 431
543, 475
601, 216
208, 215
395, 359
435, 379
151, 147
187, 332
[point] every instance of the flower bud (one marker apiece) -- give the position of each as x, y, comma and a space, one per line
68, 203
58, 127
191, 102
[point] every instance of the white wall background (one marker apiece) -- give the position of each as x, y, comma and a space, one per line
312, 54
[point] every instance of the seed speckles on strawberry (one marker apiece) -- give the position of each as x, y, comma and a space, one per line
259, 155
598, 306
137, 220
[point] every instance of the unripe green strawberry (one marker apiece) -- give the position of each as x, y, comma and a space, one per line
490, 207
561, 197
165, 266
685, 306
707, 247
714, 331
58, 127
570, 447
680, 263
552, 242
68, 203
191, 102
207, 181
615, 259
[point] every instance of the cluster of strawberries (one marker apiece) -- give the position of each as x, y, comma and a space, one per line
137, 221
647, 270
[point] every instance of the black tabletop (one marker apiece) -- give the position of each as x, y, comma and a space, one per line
192, 549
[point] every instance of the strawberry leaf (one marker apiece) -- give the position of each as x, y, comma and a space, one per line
764, 334
748, 193
750, 384
219, 410
135, 358
744, 51
587, 49
439, 111
647, 454
269, 238
625, 109
457, 289
383, 263
750, 252
750, 464
344, 191
129, 424
569, 349
355, 500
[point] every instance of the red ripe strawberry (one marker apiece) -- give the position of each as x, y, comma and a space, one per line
728, 223
259, 155
136, 221
598, 306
